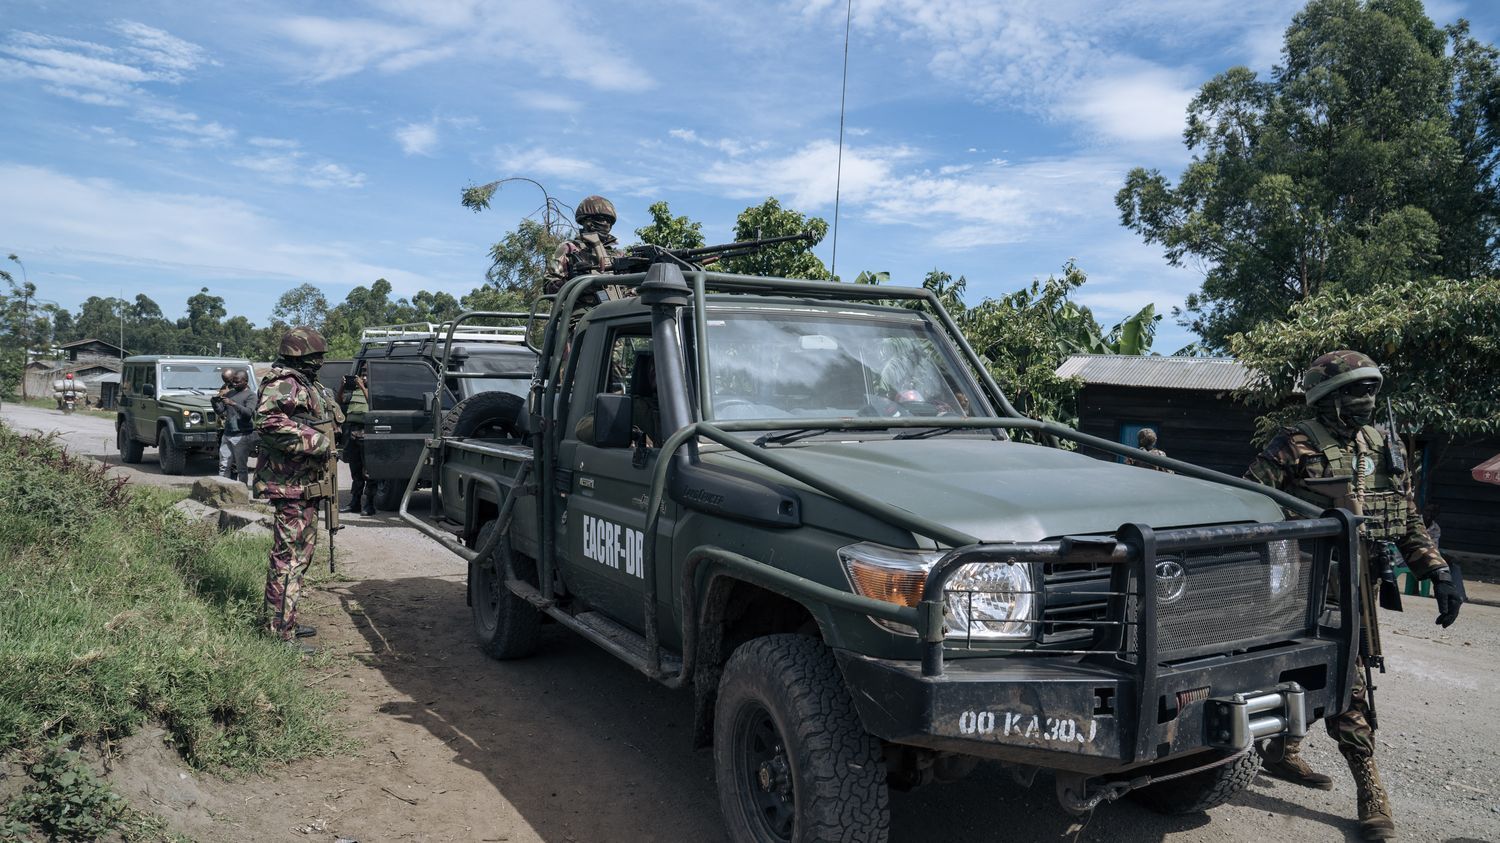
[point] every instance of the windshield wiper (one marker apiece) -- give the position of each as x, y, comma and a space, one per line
789, 436
927, 433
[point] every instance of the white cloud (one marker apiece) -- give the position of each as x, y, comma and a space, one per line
418, 138
291, 167
411, 34
106, 221
547, 101
273, 143
1150, 105
1067, 60
961, 206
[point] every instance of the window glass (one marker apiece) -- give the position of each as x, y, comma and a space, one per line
783, 364
399, 386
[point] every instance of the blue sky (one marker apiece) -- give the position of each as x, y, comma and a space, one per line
248, 147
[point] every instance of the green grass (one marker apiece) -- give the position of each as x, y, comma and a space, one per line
118, 612
49, 403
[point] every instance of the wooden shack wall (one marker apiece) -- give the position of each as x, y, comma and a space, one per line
1203, 428
1212, 430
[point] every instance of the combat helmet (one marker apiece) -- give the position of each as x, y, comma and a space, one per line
302, 342
1336, 369
594, 206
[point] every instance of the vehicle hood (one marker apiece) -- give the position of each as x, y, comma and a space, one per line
191, 400
1011, 491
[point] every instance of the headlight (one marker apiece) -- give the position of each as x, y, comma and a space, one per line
194, 418
985, 600
1284, 566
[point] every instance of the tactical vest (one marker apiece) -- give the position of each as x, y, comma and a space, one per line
1376, 486
358, 405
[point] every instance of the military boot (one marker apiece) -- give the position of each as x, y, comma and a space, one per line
1375, 818
1281, 758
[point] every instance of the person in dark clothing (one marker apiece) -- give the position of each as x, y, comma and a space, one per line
354, 397
236, 406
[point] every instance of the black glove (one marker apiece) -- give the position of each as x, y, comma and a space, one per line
1447, 598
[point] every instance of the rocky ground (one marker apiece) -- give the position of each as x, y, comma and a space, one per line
572, 745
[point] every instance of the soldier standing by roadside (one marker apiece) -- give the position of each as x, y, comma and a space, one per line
1146, 440
1341, 442
354, 397
591, 251
296, 419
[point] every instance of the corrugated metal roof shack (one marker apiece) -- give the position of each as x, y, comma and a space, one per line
1189, 402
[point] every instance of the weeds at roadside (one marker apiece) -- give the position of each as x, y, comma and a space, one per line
120, 612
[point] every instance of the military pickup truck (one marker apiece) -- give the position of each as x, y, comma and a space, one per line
809, 503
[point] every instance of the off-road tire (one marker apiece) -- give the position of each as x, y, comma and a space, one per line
173, 459
1201, 791
505, 625
783, 712
388, 494
487, 415
130, 450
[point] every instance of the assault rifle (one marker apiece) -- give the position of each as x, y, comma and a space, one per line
1340, 492
326, 490
638, 258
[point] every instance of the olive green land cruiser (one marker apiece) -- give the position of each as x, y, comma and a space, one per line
809, 503
164, 404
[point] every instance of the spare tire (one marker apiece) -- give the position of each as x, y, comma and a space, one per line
488, 415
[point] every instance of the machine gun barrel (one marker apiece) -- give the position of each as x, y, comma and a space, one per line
742, 247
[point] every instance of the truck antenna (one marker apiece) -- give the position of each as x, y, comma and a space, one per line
838, 175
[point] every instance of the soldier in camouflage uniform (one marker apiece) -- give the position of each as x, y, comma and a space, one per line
296, 418
1341, 386
591, 251
1146, 439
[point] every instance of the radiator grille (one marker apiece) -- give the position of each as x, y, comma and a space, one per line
1220, 599
1210, 601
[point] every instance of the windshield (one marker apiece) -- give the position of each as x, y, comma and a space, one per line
823, 364
197, 377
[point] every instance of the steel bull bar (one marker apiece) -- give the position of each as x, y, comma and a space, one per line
1034, 702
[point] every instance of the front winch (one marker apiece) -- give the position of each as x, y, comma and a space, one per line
1236, 722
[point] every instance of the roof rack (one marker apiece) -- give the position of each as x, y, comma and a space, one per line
419, 331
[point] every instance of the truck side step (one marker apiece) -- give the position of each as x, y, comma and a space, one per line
627, 645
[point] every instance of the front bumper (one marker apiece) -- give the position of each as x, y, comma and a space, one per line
1069, 715
196, 438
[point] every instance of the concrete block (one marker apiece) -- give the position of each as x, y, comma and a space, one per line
195, 511
234, 519
220, 492
254, 530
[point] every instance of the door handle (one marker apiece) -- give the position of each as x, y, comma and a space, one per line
382, 428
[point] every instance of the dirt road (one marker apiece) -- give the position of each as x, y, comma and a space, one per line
572, 745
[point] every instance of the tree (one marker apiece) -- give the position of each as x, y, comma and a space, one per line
668, 231
1367, 159
1026, 335
303, 305
199, 331
784, 260
1437, 343
518, 262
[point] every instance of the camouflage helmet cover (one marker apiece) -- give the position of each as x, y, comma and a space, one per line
594, 206
1336, 369
302, 342
1146, 438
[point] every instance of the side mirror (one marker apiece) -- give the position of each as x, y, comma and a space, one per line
149, 390
612, 417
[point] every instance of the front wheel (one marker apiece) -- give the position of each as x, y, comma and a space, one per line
1201, 791
791, 760
130, 450
505, 624
172, 457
